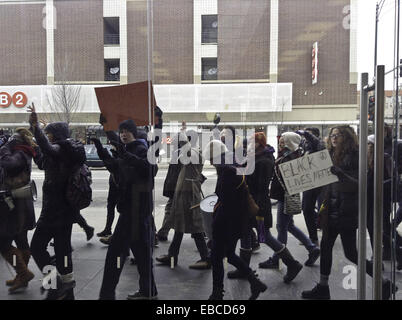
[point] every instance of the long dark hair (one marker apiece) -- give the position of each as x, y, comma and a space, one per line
349, 144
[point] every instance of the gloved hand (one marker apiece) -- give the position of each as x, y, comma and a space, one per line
102, 119
114, 153
336, 171
98, 144
119, 148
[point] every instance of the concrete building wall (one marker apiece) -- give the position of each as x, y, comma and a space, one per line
243, 39
301, 23
78, 38
22, 44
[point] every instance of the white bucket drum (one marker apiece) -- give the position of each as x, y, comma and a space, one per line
207, 208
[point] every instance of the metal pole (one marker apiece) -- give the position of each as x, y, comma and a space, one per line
395, 151
378, 182
361, 266
375, 40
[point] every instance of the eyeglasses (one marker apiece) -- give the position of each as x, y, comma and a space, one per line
334, 136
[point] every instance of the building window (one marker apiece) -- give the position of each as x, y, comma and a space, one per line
209, 68
209, 28
111, 30
112, 70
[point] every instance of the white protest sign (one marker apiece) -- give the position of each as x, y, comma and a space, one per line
308, 172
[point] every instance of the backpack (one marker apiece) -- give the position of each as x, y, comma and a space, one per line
78, 191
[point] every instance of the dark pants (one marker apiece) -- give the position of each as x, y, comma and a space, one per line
81, 221
111, 206
62, 247
199, 240
348, 238
386, 224
224, 245
21, 241
310, 198
119, 248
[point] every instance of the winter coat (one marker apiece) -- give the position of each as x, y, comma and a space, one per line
58, 160
172, 175
341, 198
258, 183
16, 162
277, 192
185, 211
230, 218
386, 186
133, 176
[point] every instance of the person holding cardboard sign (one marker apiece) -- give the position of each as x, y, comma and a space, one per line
340, 210
134, 229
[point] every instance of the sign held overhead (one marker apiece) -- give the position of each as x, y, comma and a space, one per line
130, 101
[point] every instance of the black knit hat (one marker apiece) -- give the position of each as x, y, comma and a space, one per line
129, 125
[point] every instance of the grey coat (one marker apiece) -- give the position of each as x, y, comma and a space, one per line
185, 212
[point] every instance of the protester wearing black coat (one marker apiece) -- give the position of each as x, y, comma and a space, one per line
258, 182
58, 158
134, 229
230, 222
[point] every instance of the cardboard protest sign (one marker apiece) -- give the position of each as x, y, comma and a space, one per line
130, 101
308, 172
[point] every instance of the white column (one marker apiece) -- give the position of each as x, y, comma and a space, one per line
273, 50
351, 22
272, 132
201, 7
123, 42
50, 26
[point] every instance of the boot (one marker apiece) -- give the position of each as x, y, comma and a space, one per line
26, 255
256, 286
245, 255
24, 275
166, 260
63, 291
319, 292
104, 233
387, 286
89, 231
217, 293
293, 265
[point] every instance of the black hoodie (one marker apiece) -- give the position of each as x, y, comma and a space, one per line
55, 159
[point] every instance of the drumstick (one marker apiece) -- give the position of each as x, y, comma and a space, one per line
195, 206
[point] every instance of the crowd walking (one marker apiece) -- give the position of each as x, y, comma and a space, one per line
242, 216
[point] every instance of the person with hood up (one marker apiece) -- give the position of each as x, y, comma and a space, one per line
185, 211
134, 228
231, 221
312, 143
15, 221
289, 149
58, 159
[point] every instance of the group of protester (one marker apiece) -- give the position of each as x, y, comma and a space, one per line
132, 182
